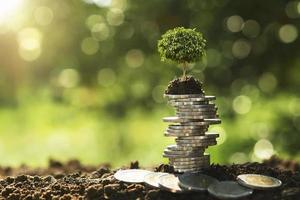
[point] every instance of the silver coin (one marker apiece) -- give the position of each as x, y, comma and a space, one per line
198, 123
199, 158
208, 112
189, 170
213, 121
170, 130
188, 163
189, 160
179, 96
198, 166
174, 103
187, 113
170, 182
181, 153
196, 181
211, 108
204, 122
186, 131
212, 116
195, 141
152, 178
228, 190
175, 147
193, 96
193, 168
182, 127
198, 144
177, 119
204, 140
206, 136
183, 134
131, 175
188, 155
257, 181
196, 106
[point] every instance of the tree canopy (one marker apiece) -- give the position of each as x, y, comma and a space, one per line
181, 45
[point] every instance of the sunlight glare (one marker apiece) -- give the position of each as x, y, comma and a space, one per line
9, 8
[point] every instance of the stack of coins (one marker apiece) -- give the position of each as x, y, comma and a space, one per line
194, 114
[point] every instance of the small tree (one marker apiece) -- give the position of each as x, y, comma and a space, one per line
182, 45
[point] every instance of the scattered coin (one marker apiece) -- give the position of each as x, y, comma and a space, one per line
228, 190
170, 182
131, 175
257, 181
152, 178
195, 181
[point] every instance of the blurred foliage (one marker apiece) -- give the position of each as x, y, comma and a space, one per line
83, 78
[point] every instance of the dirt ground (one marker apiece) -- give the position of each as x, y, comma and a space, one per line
72, 180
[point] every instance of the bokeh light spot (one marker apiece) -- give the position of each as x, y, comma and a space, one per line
115, 17
100, 31
288, 33
9, 8
43, 15
263, 149
93, 19
291, 9
29, 40
121, 4
234, 23
251, 28
134, 58
68, 78
241, 49
242, 104
294, 106
106, 77
102, 3
89, 46
267, 82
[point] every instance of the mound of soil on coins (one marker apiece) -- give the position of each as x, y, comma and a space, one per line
64, 181
188, 85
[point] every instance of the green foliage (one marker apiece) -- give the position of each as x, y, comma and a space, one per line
181, 45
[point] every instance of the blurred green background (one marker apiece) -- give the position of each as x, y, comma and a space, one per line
83, 79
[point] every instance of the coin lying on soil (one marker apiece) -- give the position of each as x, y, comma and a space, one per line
228, 190
152, 178
195, 181
257, 181
131, 175
170, 182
